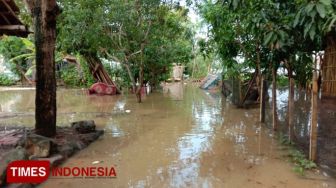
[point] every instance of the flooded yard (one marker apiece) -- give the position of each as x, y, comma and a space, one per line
326, 140
182, 137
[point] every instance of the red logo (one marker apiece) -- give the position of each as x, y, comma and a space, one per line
38, 171
28, 171
84, 172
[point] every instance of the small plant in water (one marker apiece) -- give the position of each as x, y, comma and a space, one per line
300, 161
296, 156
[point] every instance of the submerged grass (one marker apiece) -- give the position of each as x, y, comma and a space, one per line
296, 156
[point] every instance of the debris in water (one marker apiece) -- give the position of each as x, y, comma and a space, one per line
96, 162
128, 111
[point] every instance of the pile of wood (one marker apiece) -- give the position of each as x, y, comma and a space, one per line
99, 73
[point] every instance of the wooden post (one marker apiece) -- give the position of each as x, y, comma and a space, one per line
45, 13
263, 91
291, 106
274, 98
313, 128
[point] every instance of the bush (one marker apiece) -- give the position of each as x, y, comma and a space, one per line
77, 75
6, 80
71, 76
88, 79
282, 81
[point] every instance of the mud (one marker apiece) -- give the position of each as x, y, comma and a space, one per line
184, 137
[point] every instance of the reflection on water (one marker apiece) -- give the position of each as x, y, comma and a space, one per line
302, 122
184, 138
18, 107
174, 90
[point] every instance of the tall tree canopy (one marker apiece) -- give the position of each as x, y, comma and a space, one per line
146, 37
269, 31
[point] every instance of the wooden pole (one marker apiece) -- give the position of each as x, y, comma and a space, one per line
291, 106
262, 100
313, 128
13, 27
249, 88
274, 98
45, 13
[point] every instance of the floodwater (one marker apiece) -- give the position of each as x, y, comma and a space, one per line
326, 141
182, 137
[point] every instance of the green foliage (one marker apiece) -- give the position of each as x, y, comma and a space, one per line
11, 46
24, 15
148, 33
313, 17
18, 53
297, 157
87, 79
198, 68
266, 32
282, 81
71, 76
77, 75
303, 69
28, 54
300, 161
6, 80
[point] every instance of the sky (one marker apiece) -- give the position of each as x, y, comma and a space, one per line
196, 19
192, 13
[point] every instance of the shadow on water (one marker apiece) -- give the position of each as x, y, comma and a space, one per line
181, 137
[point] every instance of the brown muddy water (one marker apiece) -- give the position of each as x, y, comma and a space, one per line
182, 137
326, 141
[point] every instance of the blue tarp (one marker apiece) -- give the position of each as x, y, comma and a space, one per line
211, 81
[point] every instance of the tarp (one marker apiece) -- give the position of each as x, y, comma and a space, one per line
211, 80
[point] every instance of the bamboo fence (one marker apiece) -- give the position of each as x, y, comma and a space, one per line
329, 70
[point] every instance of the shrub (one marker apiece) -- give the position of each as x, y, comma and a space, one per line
6, 80
71, 76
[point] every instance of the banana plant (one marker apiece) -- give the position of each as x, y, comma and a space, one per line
29, 56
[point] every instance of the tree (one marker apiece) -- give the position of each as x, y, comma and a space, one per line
44, 18
18, 53
146, 37
280, 33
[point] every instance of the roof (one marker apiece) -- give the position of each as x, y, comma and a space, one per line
10, 24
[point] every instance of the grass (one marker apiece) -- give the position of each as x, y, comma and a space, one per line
296, 156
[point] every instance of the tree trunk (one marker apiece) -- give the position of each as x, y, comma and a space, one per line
291, 105
129, 72
259, 79
45, 13
274, 98
138, 88
263, 91
141, 78
313, 128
